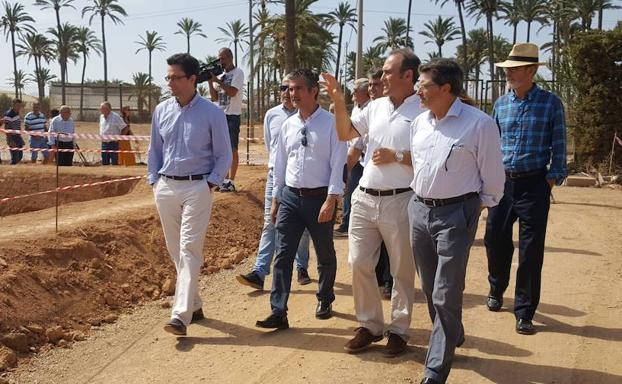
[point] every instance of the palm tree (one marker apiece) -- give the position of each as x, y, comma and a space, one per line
532, 10
19, 80
150, 43
235, 33
511, 16
65, 44
394, 30
87, 42
488, 9
41, 76
439, 32
37, 47
460, 5
15, 20
290, 35
189, 27
602, 5
476, 55
103, 8
141, 89
57, 5
343, 15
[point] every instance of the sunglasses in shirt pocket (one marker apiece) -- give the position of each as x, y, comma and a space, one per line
458, 155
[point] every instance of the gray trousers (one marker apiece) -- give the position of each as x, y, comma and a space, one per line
441, 238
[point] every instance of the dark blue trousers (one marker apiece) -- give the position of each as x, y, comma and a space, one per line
353, 183
110, 157
526, 200
295, 214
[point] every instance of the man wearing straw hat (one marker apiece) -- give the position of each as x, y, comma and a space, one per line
533, 142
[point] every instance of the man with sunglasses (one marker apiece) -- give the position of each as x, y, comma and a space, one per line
273, 123
379, 204
189, 155
308, 171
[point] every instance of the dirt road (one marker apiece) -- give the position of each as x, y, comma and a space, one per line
579, 324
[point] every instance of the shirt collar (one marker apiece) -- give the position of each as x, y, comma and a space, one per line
192, 102
530, 94
287, 111
454, 110
313, 115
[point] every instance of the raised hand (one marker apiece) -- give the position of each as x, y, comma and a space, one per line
332, 87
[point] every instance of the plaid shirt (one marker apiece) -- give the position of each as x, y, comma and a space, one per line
533, 132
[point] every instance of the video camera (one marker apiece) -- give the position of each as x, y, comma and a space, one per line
207, 70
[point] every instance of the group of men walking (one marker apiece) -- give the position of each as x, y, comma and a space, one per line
431, 163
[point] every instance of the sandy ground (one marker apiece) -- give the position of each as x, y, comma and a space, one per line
579, 324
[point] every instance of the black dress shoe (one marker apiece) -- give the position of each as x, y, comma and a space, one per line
494, 303
273, 322
251, 279
427, 380
323, 310
525, 327
176, 327
197, 315
303, 277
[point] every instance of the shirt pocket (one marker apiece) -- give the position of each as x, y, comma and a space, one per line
457, 156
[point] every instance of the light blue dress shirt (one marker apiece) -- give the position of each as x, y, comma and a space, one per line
190, 140
58, 125
319, 163
272, 124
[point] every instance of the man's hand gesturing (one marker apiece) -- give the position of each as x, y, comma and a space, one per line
332, 87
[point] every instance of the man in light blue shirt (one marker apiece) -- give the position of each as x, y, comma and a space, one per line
62, 130
273, 123
189, 155
308, 171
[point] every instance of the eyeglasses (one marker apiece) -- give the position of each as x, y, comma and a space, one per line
303, 140
426, 86
284, 88
174, 78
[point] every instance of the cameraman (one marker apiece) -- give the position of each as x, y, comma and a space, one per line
228, 93
188, 156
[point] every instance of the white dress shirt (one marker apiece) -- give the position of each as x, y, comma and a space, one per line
387, 127
458, 154
111, 125
319, 163
58, 125
272, 124
361, 141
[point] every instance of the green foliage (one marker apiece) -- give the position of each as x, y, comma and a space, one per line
5, 102
596, 57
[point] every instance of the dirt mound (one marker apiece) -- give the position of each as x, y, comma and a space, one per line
53, 289
16, 184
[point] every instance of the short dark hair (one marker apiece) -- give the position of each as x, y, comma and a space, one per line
16, 101
187, 62
374, 73
410, 61
54, 112
445, 71
311, 78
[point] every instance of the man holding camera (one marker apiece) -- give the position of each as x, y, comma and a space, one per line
228, 93
189, 155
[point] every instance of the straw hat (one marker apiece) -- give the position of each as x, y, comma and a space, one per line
522, 54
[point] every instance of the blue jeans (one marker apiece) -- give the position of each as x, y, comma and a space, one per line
268, 241
38, 142
353, 183
15, 141
110, 158
295, 215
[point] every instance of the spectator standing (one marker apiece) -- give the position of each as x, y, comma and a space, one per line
110, 123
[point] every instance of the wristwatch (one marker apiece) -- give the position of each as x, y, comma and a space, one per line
399, 156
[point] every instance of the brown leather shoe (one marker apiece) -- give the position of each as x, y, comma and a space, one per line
395, 346
361, 340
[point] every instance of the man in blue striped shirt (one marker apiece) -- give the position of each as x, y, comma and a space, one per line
189, 155
34, 121
533, 142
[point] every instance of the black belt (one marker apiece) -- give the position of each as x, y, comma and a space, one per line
191, 177
309, 192
521, 175
451, 200
385, 192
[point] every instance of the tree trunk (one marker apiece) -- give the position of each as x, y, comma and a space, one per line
235, 48
410, 4
188, 43
14, 65
82, 87
440, 50
465, 52
514, 34
290, 35
105, 61
338, 52
150, 89
491, 56
528, 30
600, 18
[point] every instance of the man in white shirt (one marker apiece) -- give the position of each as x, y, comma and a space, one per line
228, 93
457, 164
110, 123
379, 205
62, 130
308, 179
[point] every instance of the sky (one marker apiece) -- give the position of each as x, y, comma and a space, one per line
162, 16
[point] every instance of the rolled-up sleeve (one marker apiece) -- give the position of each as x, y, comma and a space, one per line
558, 169
360, 121
490, 164
221, 148
154, 157
338, 155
